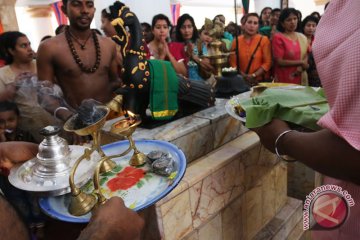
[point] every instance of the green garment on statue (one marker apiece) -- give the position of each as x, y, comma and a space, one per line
163, 90
302, 106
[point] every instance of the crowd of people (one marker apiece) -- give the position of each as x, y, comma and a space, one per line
277, 45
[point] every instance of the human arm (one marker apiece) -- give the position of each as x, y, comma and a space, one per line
202, 61
12, 153
178, 65
233, 55
8, 93
323, 150
114, 79
113, 220
44, 62
45, 69
12, 226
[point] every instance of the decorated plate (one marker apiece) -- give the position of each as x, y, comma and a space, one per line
235, 101
138, 187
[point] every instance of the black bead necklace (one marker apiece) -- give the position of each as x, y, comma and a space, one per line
82, 45
76, 56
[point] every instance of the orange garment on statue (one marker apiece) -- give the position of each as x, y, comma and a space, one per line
262, 56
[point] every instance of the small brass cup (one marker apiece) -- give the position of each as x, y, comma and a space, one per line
126, 128
69, 125
94, 131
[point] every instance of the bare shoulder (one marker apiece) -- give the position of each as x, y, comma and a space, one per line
52, 45
106, 41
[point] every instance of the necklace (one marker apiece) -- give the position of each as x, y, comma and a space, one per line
82, 45
76, 56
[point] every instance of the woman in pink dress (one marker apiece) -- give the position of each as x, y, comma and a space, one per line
290, 50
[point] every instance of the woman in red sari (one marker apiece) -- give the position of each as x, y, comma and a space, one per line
290, 50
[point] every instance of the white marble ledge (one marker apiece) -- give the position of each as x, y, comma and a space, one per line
211, 162
179, 127
168, 132
172, 130
214, 113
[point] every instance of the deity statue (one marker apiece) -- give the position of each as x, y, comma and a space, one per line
153, 82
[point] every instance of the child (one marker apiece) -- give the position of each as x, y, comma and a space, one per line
9, 117
23, 201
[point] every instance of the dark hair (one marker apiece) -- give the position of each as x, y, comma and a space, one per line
105, 14
180, 22
64, 2
285, 13
97, 31
308, 19
326, 5
242, 19
318, 15
160, 17
251, 15
218, 16
45, 38
8, 41
147, 25
275, 10
2, 49
261, 13
9, 106
299, 14
233, 25
60, 29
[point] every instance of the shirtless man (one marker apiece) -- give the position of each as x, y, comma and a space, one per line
82, 62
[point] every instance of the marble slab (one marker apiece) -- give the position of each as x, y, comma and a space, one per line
212, 230
232, 219
301, 180
282, 225
196, 135
176, 217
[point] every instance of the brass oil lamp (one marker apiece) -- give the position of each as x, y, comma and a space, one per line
218, 59
126, 128
81, 202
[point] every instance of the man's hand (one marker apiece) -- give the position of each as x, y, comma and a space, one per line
269, 132
12, 153
113, 221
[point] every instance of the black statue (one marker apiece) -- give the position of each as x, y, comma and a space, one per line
136, 72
